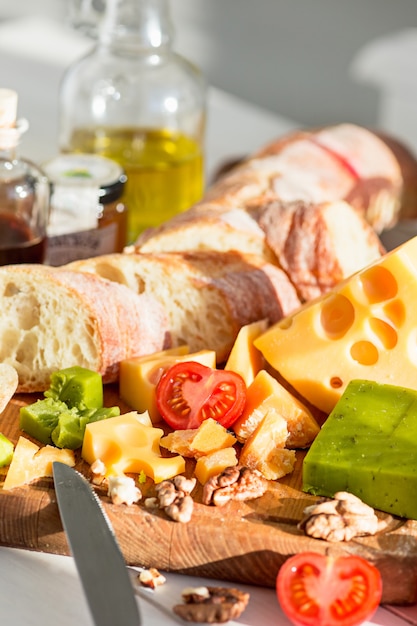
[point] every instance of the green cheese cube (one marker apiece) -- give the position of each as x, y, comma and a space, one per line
77, 387
6, 450
368, 447
40, 418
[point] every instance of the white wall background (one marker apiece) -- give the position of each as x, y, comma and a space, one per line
292, 57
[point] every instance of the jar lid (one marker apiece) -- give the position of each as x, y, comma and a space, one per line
86, 171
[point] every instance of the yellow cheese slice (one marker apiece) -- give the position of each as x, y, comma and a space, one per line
139, 376
125, 444
364, 329
267, 395
30, 462
244, 358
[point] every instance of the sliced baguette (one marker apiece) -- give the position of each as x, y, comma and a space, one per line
53, 318
208, 295
365, 171
317, 245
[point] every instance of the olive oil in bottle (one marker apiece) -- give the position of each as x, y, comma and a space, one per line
136, 101
164, 170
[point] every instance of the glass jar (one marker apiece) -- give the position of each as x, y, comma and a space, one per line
134, 100
88, 217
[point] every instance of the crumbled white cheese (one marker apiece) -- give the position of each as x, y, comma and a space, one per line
122, 490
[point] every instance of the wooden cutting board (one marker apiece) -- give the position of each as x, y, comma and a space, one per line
240, 542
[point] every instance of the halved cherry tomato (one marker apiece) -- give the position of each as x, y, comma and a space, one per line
188, 393
318, 590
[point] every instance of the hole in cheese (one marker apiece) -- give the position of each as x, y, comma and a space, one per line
336, 382
385, 333
337, 316
378, 284
364, 352
395, 312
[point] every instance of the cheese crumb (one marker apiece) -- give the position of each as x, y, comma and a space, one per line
122, 490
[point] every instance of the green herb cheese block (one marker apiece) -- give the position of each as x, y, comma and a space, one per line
368, 447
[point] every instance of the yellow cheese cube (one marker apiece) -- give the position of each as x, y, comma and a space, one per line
264, 450
364, 329
139, 376
266, 395
214, 463
30, 462
195, 442
244, 358
124, 444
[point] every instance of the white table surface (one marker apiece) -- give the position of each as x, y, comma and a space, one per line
41, 589
44, 590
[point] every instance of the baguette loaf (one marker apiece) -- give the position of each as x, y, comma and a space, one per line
208, 295
51, 319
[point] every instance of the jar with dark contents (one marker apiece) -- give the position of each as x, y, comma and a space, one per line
88, 217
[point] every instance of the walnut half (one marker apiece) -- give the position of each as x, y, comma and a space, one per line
340, 519
173, 496
211, 605
234, 483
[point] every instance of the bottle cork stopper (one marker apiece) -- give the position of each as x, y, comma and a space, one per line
8, 108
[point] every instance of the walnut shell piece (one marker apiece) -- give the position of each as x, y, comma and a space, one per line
212, 605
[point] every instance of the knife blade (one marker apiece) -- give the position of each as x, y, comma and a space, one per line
97, 555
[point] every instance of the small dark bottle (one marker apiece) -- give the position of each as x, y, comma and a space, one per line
24, 193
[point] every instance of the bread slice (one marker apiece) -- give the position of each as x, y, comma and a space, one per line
318, 245
208, 295
207, 227
52, 318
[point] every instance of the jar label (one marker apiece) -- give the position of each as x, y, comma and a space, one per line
69, 247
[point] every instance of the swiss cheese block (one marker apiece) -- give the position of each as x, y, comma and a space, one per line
244, 358
368, 447
266, 395
365, 328
128, 443
140, 375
